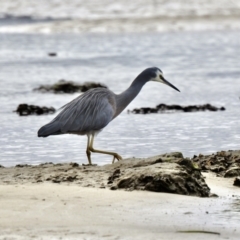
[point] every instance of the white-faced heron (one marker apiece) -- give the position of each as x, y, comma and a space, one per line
89, 113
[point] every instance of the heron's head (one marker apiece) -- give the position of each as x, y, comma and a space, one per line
155, 74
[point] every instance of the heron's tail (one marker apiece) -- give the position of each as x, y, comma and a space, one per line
51, 128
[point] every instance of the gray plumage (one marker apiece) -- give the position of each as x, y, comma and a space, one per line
92, 111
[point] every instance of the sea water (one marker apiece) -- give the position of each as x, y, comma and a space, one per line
204, 65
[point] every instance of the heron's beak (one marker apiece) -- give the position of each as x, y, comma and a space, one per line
163, 80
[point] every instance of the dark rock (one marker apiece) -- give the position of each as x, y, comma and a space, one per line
224, 163
46, 163
232, 172
180, 182
217, 169
171, 175
25, 110
114, 175
52, 54
22, 165
163, 108
74, 164
237, 182
173, 155
68, 87
189, 164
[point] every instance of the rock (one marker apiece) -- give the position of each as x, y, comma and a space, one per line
52, 54
173, 155
73, 164
25, 110
64, 86
114, 175
22, 165
224, 163
237, 182
189, 164
232, 172
171, 173
167, 177
163, 108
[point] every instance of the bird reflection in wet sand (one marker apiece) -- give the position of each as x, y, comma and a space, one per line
90, 112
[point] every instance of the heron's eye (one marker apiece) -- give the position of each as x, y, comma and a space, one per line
161, 77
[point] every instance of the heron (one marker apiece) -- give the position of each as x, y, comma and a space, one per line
92, 111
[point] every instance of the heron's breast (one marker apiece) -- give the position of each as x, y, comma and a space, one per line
112, 102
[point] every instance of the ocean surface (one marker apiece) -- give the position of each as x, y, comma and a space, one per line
204, 65
78, 16
195, 43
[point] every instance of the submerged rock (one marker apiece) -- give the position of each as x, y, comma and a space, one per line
25, 109
163, 108
169, 173
52, 54
68, 87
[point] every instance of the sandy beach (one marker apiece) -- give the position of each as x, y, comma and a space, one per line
67, 210
50, 211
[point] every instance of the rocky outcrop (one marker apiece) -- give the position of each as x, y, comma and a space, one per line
163, 108
224, 163
64, 86
25, 109
169, 173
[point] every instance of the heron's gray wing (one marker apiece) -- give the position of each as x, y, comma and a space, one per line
91, 111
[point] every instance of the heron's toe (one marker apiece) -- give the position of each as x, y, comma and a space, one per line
116, 156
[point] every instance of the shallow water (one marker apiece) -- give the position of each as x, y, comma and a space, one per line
93, 9
57, 16
203, 65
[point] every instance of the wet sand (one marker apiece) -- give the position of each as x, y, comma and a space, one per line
70, 211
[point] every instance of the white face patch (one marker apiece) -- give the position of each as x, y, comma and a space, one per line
159, 74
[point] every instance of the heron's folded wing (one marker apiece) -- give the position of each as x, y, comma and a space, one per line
91, 111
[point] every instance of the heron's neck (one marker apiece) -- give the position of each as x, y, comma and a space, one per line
123, 99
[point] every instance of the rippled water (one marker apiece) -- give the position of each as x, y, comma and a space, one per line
203, 65
57, 16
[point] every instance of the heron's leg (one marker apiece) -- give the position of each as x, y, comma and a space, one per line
115, 155
88, 150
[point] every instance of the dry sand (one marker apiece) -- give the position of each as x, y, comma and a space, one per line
58, 211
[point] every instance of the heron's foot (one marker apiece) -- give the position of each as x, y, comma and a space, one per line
116, 156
